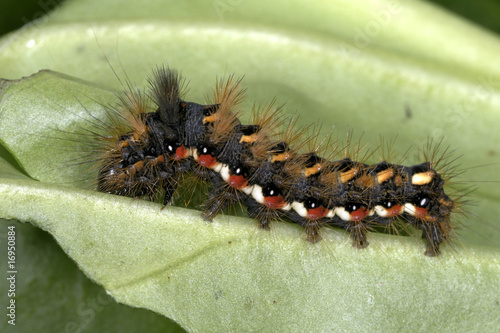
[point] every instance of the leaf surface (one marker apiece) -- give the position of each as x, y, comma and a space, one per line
409, 79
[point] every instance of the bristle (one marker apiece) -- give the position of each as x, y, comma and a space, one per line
269, 119
228, 96
167, 89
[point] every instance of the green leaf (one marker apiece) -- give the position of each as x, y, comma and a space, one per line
374, 68
53, 295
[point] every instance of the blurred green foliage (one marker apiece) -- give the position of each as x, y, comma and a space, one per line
15, 14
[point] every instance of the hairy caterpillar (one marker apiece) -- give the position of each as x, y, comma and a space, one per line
149, 151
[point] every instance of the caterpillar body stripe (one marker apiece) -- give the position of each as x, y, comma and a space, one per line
149, 151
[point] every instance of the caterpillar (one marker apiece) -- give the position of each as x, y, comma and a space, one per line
148, 151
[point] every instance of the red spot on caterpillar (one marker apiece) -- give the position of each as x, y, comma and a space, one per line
207, 161
180, 153
420, 212
393, 211
317, 213
275, 202
237, 181
359, 214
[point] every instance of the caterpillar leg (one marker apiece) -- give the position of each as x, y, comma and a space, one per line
262, 213
311, 226
220, 197
170, 186
357, 232
312, 230
434, 234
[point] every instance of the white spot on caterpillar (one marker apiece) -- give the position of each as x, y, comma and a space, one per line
224, 171
257, 194
343, 214
287, 207
410, 209
299, 208
381, 211
218, 168
247, 189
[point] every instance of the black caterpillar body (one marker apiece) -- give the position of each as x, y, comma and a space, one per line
149, 152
